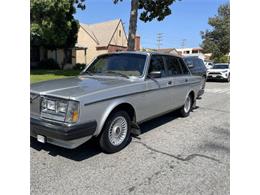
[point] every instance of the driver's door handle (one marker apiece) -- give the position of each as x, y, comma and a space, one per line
169, 83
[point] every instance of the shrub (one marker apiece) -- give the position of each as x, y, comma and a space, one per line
79, 66
49, 64
222, 59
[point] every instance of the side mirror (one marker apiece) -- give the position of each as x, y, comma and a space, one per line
155, 74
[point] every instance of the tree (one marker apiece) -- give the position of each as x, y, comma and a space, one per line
150, 9
217, 40
52, 23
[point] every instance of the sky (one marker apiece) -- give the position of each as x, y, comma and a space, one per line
181, 28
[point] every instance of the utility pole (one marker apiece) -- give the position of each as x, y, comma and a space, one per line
183, 42
159, 39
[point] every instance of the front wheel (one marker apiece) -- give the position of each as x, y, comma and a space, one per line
228, 79
116, 132
186, 108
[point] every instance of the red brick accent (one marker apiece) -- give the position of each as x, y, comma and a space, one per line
115, 48
101, 48
137, 43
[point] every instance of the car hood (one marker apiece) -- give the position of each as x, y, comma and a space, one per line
76, 87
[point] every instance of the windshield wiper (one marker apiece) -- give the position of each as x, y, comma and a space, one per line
117, 73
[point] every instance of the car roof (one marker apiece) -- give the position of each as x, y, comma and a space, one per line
191, 57
144, 53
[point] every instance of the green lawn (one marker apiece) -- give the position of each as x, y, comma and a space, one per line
43, 75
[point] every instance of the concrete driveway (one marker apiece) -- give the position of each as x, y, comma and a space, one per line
173, 155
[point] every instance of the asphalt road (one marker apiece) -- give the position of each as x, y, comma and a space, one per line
174, 155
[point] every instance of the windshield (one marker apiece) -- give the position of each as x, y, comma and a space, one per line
220, 66
118, 64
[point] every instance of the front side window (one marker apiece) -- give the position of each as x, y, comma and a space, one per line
199, 63
173, 66
157, 64
118, 64
189, 61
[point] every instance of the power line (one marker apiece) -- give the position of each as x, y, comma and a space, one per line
159, 39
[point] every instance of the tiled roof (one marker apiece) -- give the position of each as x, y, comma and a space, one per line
166, 50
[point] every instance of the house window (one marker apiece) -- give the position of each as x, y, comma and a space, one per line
119, 33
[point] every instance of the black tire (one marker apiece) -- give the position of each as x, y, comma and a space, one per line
228, 79
183, 111
104, 142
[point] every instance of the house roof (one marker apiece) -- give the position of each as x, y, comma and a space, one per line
88, 30
167, 50
101, 33
198, 48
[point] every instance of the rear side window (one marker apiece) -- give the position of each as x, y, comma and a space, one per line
157, 64
184, 67
173, 66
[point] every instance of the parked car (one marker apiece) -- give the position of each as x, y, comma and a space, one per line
197, 67
209, 65
110, 98
219, 71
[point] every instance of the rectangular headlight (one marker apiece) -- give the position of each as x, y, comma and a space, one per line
62, 107
54, 109
51, 105
60, 110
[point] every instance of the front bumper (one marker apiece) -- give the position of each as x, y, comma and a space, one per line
217, 76
61, 135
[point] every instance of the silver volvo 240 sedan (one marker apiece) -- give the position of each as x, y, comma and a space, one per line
110, 98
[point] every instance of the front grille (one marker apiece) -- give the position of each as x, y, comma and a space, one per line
35, 104
214, 73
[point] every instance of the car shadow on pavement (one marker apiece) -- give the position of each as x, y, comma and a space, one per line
159, 121
91, 148
216, 81
85, 151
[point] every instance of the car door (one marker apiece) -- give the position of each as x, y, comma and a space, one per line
157, 97
179, 76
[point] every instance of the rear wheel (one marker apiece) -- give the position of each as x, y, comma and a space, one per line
116, 132
186, 108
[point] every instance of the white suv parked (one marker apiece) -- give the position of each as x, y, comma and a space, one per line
219, 71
